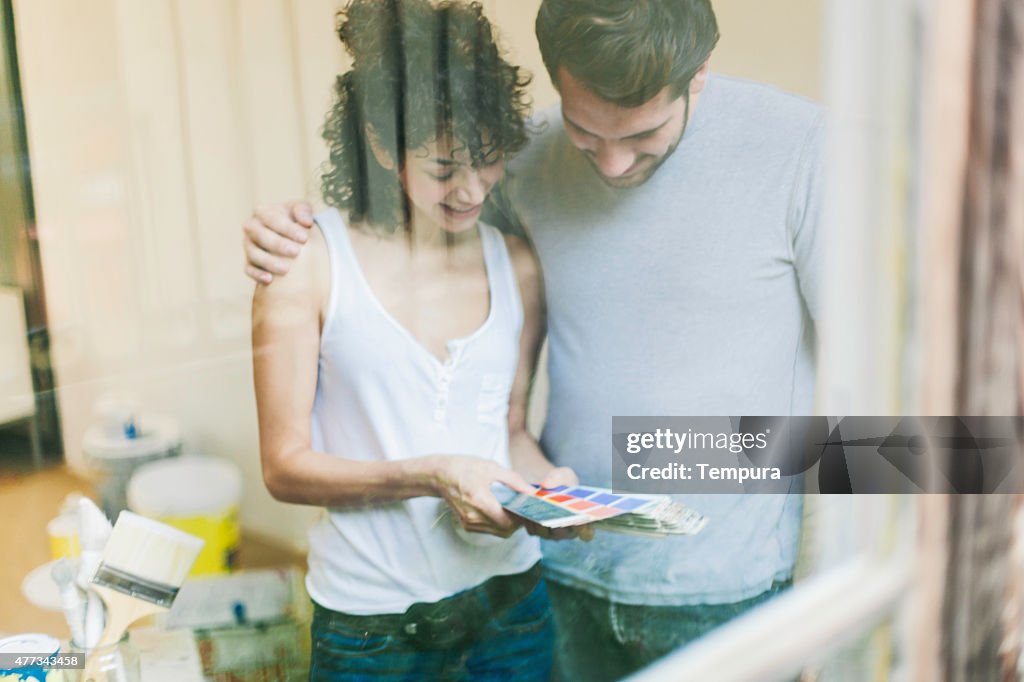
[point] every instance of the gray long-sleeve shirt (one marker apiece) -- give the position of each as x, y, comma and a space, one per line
693, 294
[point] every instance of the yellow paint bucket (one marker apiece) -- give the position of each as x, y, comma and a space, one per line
63, 533
198, 495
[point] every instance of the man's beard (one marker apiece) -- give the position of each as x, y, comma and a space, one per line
638, 179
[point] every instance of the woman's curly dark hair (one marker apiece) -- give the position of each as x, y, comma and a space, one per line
420, 72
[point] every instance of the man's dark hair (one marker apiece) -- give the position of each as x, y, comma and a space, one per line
420, 72
627, 51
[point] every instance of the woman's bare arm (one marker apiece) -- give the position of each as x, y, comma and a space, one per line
286, 322
524, 451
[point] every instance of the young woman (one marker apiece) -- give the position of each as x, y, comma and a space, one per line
392, 366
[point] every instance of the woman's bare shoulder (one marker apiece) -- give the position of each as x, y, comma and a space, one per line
308, 280
528, 273
523, 258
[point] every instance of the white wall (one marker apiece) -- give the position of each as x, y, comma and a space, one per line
778, 42
155, 126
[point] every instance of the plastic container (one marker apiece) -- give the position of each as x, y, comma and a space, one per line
63, 534
198, 495
117, 413
115, 458
30, 645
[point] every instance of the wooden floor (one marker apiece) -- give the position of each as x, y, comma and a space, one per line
27, 502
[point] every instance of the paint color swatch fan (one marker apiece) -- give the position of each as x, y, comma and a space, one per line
567, 506
143, 566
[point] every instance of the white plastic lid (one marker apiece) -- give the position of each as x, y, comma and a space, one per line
157, 434
30, 643
184, 486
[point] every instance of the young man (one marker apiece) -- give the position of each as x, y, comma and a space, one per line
675, 214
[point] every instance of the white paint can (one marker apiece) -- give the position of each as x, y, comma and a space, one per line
32, 658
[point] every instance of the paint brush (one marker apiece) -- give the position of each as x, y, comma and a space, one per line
142, 569
93, 531
72, 600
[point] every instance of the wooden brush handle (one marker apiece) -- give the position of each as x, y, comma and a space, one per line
122, 611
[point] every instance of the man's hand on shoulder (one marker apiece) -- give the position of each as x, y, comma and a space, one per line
273, 236
298, 300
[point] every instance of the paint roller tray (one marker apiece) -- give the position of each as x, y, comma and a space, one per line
241, 598
250, 626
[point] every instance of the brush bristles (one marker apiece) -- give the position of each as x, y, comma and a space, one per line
93, 526
153, 551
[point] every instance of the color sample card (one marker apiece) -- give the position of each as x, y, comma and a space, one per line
563, 506
629, 504
537, 509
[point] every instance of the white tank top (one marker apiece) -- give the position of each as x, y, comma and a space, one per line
381, 395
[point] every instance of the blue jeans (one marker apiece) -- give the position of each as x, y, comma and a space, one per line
602, 640
517, 644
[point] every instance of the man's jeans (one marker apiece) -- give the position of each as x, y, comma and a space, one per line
601, 640
515, 645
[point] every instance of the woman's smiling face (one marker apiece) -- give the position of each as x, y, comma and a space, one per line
444, 189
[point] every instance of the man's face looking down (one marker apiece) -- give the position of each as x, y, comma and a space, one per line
625, 145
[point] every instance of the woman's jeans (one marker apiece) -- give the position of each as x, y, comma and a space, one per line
515, 644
